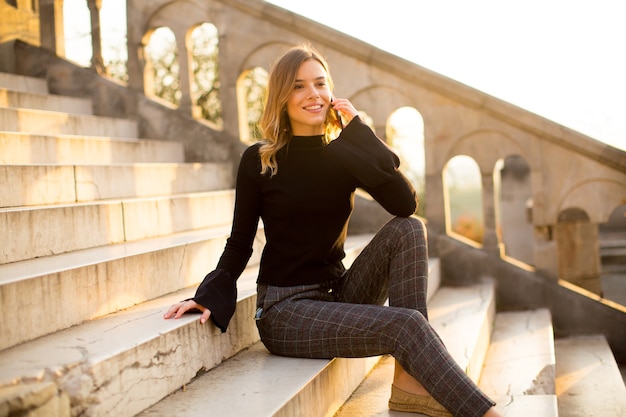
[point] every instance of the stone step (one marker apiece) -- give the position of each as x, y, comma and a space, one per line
79, 286
260, 384
24, 148
588, 380
23, 83
29, 185
257, 383
43, 101
127, 361
520, 359
40, 231
21, 400
48, 122
464, 317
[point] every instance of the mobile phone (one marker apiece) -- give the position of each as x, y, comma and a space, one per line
337, 114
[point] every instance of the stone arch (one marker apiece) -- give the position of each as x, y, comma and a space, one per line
379, 102
264, 55
486, 147
617, 219
596, 196
191, 14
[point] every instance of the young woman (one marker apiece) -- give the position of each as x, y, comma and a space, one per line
302, 184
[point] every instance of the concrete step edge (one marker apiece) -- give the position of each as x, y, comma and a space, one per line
45, 397
90, 288
8, 134
37, 267
109, 222
520, 359
42, 101
588, 379
26, 149
466, 329
47, 184
46, 122
255, 382
18, 82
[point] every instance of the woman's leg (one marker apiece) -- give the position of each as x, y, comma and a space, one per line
325, 329
393, 265
306, 322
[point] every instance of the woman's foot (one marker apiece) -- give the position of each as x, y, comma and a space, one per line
404, 401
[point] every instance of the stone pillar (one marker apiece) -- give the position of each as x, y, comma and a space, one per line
491, 242
435, 211
185, 73
545, 253
134, 44
579, 254
51, 31
515, 207
97, 62
229, 61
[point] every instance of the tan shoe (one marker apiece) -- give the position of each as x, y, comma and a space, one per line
403, 401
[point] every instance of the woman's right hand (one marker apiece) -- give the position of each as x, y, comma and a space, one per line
177, 310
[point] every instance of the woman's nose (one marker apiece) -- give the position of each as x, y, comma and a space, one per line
313, 93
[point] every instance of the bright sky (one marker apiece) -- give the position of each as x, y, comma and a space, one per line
562, 59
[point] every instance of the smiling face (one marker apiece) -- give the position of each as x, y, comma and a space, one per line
309, 101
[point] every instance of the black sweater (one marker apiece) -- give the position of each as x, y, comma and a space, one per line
305, 210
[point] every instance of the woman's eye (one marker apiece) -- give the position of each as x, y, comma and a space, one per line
297, 86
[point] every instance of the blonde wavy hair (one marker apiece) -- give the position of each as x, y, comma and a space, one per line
274, 122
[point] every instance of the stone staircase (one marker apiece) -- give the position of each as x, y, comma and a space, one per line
103, 231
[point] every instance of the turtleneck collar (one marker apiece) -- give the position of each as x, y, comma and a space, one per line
314, 141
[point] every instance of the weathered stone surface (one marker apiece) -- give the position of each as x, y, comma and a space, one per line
588, 381
34, 400
520, 359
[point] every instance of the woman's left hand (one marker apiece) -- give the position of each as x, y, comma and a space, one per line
177, 310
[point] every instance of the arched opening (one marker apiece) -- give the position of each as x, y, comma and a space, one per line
462, 187
251, 87
113, 31
205, 80
162, 70
77, 35
513, 192
77, 32
405, 133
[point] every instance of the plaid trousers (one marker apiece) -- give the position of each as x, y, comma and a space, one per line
346, 318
